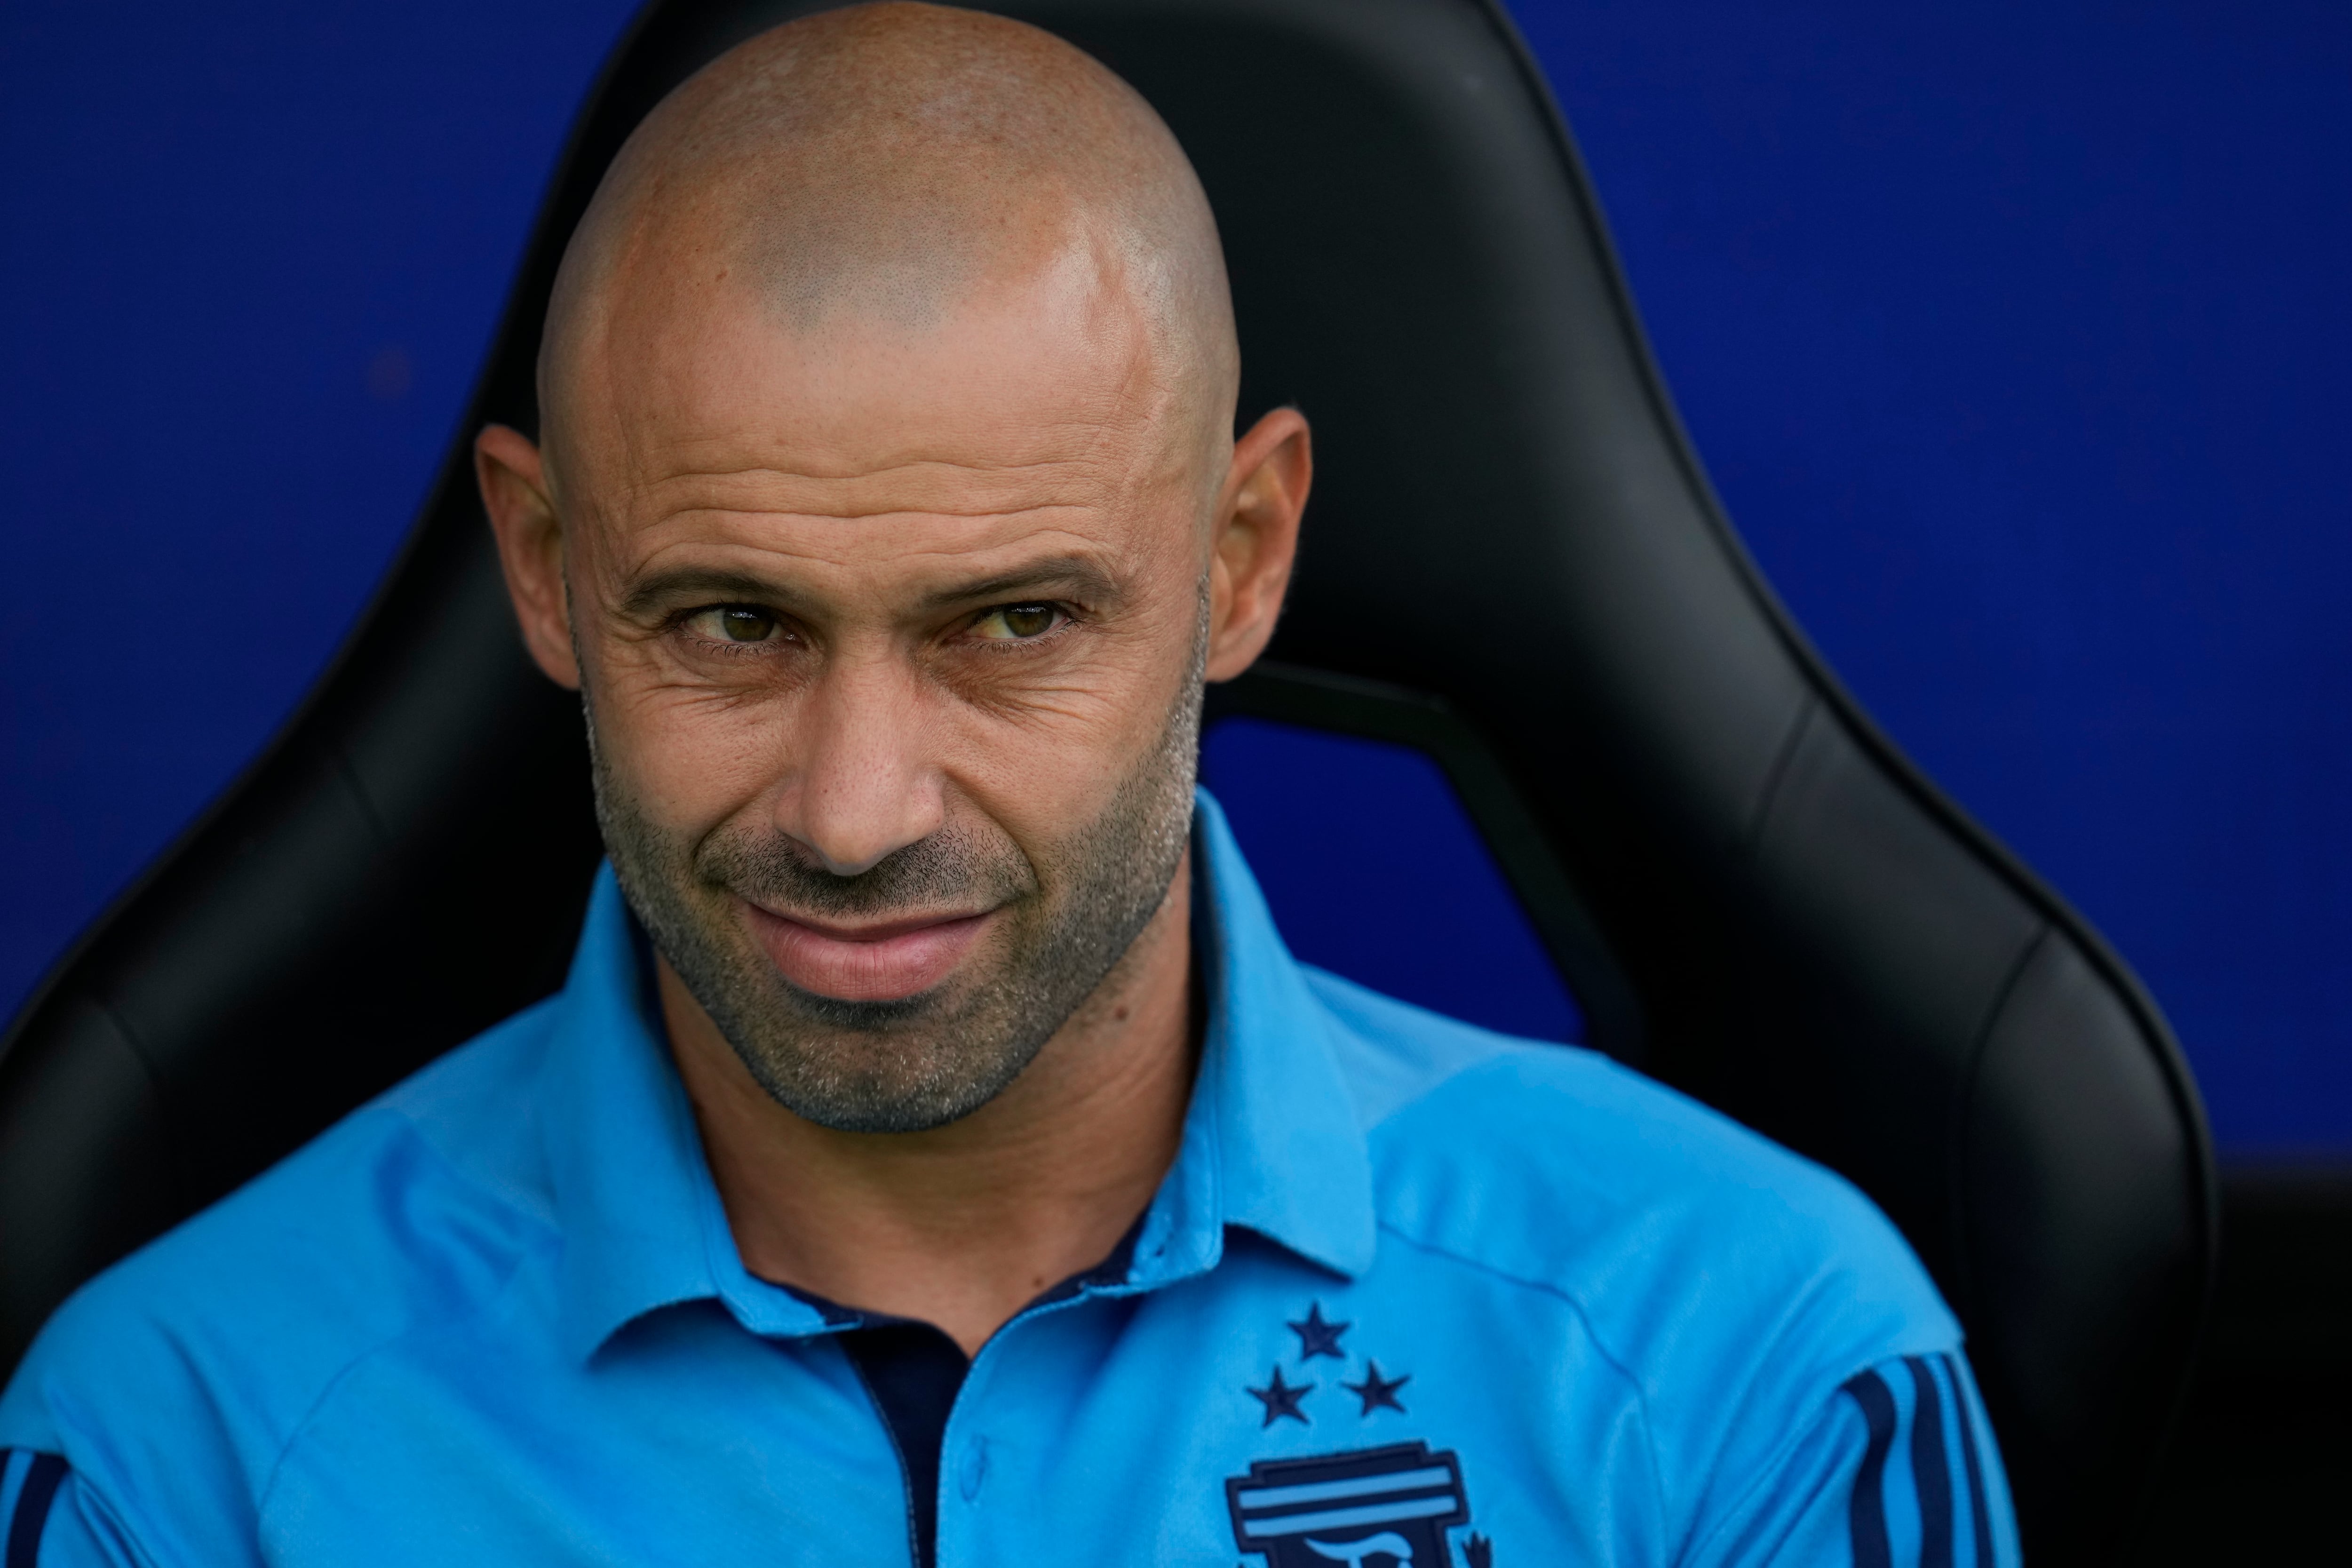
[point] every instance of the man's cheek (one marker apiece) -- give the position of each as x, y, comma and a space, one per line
1045, 776
696, 757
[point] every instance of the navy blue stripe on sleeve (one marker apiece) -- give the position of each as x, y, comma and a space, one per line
1868, 1516
31, 1510
1931, 1468
1979, 1516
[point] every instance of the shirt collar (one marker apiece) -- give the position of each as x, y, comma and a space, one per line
1271, 1141
642, 1223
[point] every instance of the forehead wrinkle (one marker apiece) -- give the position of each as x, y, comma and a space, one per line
859, 537
896, 494
803, 473
835, 521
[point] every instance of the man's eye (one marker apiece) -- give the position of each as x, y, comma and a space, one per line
1017, 623
740, 623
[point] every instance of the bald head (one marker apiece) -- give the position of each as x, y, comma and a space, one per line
878, 171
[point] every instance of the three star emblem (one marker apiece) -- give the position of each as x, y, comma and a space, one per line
1318, 1336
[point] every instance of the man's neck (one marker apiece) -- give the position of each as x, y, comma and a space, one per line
963, 1226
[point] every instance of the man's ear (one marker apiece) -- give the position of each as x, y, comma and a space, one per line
513, 478
1256, 539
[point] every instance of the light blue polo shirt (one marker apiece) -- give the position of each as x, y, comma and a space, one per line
1411, 1293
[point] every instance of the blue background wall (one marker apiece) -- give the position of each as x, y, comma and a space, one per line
2015, 335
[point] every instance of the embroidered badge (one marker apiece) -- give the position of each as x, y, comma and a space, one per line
1373, 1508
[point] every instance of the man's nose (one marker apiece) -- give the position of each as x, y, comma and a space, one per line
864, 783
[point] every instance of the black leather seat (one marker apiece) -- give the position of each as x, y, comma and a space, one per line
1513, 560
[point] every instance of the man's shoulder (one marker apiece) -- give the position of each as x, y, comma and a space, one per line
412, 1209
1683, 1238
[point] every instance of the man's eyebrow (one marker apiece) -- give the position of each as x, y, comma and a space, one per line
1078, 574
702, 583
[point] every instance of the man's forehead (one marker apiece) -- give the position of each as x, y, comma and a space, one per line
914, 560
785, 487
1025, 401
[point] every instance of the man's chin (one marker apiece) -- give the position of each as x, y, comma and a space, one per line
882, 963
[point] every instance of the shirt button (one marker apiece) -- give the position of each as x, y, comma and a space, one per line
975, 1468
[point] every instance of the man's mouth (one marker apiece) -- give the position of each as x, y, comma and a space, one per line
881, 961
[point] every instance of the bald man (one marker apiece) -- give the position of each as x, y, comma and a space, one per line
934, 1156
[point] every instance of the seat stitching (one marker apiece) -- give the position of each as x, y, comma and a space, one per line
1964, 1103
1783, 760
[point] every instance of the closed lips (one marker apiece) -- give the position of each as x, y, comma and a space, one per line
882, 962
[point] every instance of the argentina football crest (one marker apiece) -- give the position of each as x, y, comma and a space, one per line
1383, 1507
1373, 1508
